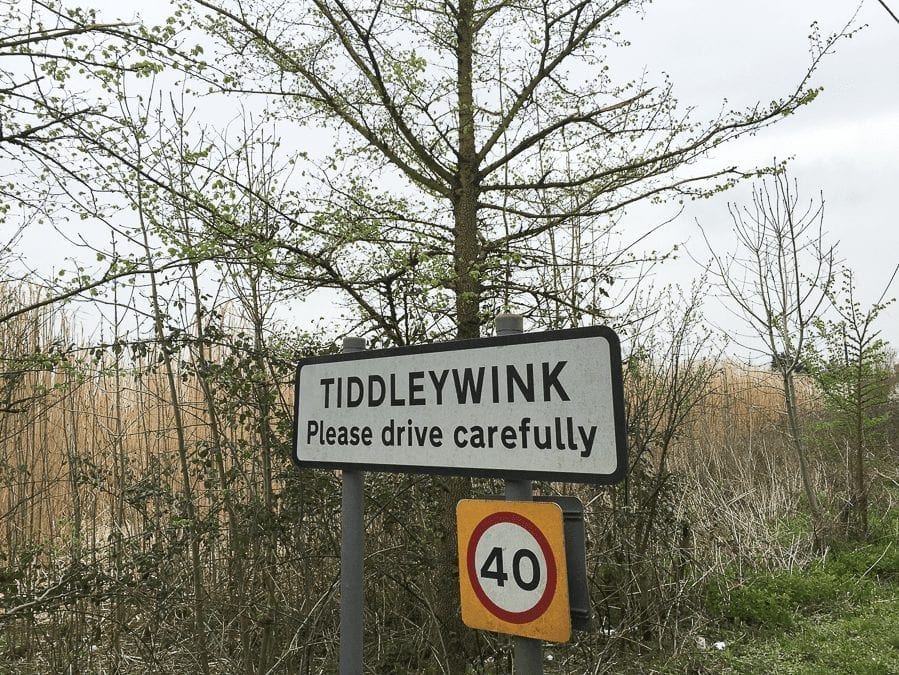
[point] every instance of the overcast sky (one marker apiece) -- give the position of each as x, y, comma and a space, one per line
845, 144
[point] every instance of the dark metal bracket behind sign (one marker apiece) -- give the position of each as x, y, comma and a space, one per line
575, 557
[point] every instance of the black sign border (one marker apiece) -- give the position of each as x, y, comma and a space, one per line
618, 411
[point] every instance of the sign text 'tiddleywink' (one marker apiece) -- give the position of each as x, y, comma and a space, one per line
539, 405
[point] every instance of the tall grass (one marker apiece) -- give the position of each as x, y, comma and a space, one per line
95, 561
741, 472
93, 526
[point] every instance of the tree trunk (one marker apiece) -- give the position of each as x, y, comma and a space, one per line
858, 497
266, 441
465, 193
188, 507
459, 640
236, 574
808, 485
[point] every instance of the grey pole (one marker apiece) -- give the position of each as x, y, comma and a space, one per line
352, 542
528, 657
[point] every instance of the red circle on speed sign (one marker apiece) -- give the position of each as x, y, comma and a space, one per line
538, 607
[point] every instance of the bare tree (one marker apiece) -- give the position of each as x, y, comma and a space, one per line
779, 278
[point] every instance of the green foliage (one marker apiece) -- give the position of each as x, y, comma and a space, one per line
836, 615
851, 365
237, 548
863, 642
850, 362
779, 600
878, 561
750, 605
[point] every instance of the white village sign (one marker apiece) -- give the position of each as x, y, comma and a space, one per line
539, 405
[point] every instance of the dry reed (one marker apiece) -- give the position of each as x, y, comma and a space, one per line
92, 533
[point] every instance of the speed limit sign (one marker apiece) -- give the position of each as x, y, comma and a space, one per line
512, 575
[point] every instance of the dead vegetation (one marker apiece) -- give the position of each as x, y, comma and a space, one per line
96, 573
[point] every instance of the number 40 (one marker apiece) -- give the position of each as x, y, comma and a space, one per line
493, 568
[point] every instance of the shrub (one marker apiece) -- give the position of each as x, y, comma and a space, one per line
750, 605
880, 561
773, 601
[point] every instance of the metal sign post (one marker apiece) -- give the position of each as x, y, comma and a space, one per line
352, 543
528, 653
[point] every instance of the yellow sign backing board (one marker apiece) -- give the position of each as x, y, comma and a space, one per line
512, 574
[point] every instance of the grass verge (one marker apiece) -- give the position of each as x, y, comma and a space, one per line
840, 615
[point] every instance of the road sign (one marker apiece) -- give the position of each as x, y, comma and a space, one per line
533, 406
512, 572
